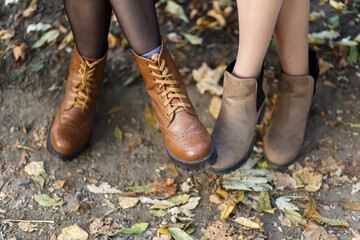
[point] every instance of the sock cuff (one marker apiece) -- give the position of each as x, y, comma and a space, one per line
152, 52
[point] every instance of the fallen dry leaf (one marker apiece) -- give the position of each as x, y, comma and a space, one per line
35, 168
215, 198
219, 230
19, 51
307, 178
214, 107
218, 16
355, 188
104, 188
314, 232
323, 66
283, 180
6, 34
134, 144
252, 222
106, 228
330, 165
30, 10
26, 227
73, 232
329, 84
151, 118
352, 206
112, 41
264, 203
207, 79
171, 169
166, 186
128, 202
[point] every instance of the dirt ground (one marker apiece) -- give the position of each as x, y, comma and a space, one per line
30, 101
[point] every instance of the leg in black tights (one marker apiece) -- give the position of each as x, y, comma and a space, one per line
138, 21
90, 21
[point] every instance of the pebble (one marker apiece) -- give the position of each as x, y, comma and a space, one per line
173, 219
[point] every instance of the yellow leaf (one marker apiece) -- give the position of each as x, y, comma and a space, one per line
118, 133
219, 18
308, 179
112, 40
352, 206
114, 109
264, 202
222, 193
253, 222
225, 213
240, 196
310, 206
150, 117
171, 169
214, 107
337, 5
164, 230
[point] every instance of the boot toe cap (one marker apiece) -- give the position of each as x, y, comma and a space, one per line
66, 141
281, 151
192, 146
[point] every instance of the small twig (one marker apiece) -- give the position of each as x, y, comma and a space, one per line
29, 148
3, 184
2, 237
32, 221
111, 211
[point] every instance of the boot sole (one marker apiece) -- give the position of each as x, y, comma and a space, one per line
247, 155
280, 166
194, 166
63, 156
235, 166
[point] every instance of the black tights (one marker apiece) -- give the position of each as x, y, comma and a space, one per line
90, 21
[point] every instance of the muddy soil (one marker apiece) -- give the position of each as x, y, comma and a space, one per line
31, 101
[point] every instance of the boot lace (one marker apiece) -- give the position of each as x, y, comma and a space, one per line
84, 84
167, 84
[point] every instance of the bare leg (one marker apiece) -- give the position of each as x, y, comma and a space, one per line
257, 20
291, 36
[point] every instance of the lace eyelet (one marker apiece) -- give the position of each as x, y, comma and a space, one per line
159, 88
155, 79
167, 115
163, 106
161, 97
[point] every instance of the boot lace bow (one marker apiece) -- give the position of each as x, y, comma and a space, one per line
84, 84
167, 84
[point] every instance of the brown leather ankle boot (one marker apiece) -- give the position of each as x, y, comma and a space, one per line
71, 128
285, 135
234, 131
187, 141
